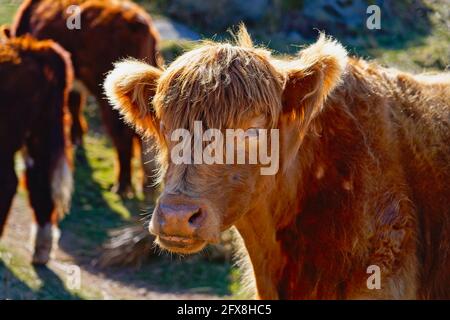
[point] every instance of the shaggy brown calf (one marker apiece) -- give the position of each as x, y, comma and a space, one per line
363, 176
35, 77
109, 30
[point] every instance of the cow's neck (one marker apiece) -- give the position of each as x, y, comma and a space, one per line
291, 236
259, 235
259, 228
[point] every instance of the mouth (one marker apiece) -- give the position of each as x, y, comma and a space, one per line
180, 244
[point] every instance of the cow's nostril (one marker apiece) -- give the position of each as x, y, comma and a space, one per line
195, 217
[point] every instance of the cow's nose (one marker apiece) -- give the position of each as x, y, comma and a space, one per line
182, 220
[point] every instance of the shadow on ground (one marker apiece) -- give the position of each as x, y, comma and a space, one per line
50, 287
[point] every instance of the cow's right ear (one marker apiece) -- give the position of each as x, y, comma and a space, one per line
312, 77
130, 87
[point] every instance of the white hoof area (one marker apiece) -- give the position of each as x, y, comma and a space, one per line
46, 243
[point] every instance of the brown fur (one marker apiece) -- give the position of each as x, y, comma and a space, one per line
110, 30
35, 77
77, 100
365, 166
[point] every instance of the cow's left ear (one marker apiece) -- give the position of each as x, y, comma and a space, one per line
311, 78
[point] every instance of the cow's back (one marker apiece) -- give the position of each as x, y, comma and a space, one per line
34, 79
19, 75
109, 31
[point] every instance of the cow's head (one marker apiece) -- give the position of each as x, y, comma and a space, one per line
225, 86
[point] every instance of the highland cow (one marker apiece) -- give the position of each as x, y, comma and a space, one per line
108, 30
35, 77
364, 167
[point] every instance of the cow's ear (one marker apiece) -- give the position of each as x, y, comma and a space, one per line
311, 78
5, 31
130, 88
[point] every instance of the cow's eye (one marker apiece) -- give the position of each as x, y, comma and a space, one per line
252, 132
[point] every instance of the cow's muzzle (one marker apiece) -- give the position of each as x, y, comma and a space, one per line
180, 225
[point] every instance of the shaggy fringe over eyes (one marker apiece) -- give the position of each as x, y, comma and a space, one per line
220, 84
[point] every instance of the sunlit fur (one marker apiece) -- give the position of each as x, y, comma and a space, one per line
365, 158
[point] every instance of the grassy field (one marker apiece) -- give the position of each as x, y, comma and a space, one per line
7, 10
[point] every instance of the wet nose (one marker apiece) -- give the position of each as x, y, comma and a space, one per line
182, 220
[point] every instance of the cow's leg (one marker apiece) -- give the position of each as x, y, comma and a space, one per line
122, 136
8, 186
77, 100
38, 178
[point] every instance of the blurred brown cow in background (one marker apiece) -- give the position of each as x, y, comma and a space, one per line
35, 77
109, 30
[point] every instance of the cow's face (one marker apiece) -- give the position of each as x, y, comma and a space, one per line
219, 100
196, 102
201, 200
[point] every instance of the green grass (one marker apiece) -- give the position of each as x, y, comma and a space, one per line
195, 276
430, 53
7, 10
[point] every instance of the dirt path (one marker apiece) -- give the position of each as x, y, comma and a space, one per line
56, 279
